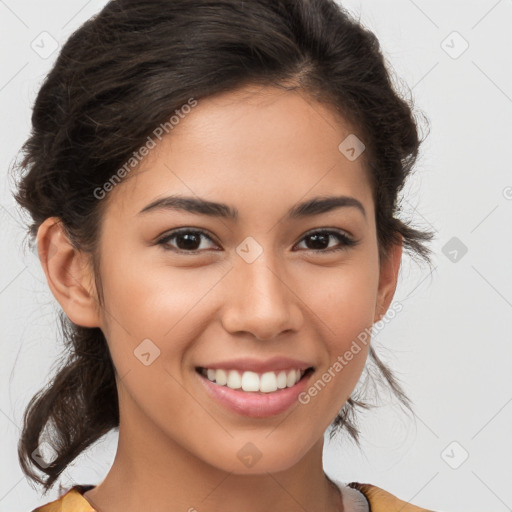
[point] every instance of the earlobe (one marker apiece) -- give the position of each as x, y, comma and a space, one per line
69, 274
388, 279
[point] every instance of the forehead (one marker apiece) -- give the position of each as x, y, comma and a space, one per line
258, 146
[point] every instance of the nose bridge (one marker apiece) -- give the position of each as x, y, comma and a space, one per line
260, 300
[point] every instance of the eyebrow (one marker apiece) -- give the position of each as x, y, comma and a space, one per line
200, 206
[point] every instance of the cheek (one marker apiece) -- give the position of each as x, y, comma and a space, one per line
346, 316
342, 307
157, 303
148, 310
149, 297
344, 300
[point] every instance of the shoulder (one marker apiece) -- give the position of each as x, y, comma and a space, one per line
71, 501
380, 500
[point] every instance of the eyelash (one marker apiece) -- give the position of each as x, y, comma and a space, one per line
347, 242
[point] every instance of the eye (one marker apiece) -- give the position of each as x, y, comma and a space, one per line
319, 238
188, 241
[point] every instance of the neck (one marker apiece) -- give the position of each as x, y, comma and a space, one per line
151, 472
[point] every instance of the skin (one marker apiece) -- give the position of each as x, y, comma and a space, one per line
177, 447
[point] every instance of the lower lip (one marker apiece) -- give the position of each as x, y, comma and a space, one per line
255, 404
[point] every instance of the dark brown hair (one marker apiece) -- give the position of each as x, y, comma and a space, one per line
122, 74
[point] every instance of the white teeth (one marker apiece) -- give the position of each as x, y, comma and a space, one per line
220, 377
234, 380
251, 381
281, 379
290, 379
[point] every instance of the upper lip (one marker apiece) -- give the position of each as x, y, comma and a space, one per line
258, 365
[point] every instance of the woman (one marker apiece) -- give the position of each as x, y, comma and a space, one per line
213, 188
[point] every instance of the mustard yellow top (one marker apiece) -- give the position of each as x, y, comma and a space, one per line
375, 500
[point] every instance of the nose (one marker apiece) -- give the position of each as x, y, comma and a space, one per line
260, 301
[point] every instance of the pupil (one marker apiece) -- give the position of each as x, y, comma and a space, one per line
190, 242
316, 237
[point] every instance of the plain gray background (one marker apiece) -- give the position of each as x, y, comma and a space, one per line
450, 345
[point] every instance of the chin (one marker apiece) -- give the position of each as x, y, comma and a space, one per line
250, 459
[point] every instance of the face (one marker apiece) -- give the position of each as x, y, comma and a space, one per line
185, 290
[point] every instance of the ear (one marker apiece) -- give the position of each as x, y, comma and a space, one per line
388, 278
69, 274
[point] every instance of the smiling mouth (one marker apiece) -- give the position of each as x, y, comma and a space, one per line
248, 381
